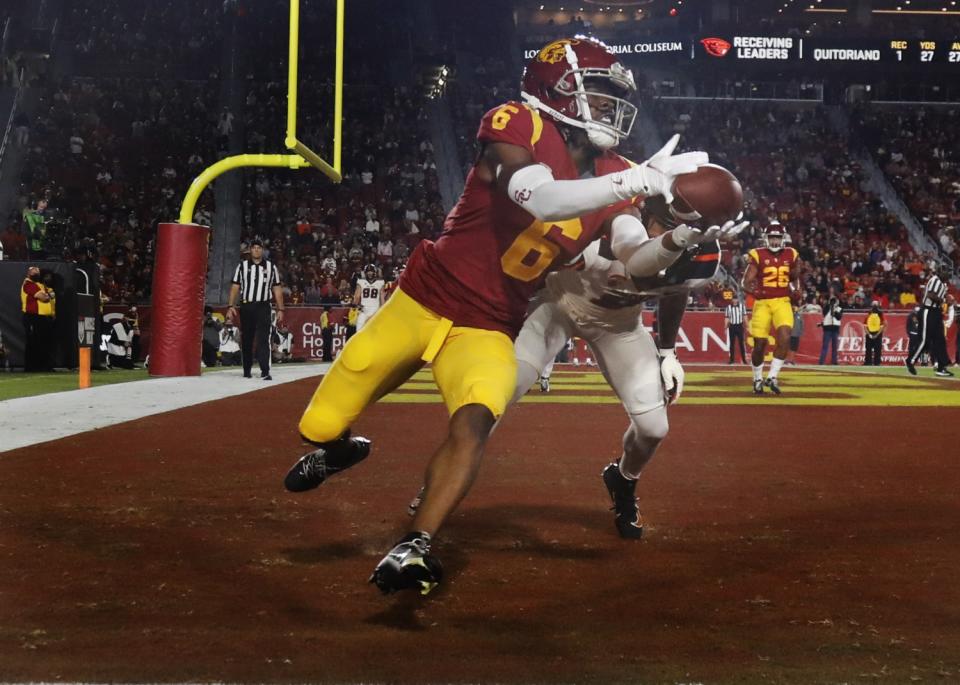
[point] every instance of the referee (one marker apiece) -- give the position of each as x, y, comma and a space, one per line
932, 338
253, 281
733, 317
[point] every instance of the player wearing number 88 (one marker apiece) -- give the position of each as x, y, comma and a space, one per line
369, 295
772, 277
544, 185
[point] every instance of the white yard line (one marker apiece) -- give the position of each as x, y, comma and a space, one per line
29, 421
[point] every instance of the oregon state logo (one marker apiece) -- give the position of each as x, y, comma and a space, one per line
717, 47
556, 51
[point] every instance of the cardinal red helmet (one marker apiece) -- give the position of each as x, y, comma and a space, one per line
774, 236
556, 82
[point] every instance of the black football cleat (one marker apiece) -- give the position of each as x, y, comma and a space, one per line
329, 458
621, 489
773, 384
944, 372
758, 387
911, 369
408, 566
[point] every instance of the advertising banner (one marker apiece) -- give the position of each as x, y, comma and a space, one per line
702, 337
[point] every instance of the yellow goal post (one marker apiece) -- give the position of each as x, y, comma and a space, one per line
303, 156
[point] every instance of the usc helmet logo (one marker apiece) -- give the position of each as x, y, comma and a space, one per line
556, 51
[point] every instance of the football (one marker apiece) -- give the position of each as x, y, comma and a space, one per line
712, 191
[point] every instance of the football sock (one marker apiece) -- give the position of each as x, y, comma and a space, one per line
775, 367
758, 373
620, 468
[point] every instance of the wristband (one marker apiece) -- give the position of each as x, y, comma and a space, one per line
667, 351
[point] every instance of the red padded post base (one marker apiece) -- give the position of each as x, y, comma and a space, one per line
179, 279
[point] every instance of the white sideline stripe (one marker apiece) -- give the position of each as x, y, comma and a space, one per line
26, 421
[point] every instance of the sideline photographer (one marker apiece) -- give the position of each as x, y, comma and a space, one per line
36, 230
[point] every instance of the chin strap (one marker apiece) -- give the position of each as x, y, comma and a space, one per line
537, 103
588, 126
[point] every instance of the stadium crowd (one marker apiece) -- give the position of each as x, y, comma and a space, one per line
94, 153
918, 152
114, 156
796, 170
156, 39
322, 235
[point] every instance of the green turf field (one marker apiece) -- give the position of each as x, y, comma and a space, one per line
27, 384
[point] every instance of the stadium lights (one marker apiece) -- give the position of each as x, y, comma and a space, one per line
899, 11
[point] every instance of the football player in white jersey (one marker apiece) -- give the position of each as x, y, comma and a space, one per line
600, 304
368, 295
596, 301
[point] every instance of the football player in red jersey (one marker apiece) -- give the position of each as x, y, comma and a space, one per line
772, 277
544, 185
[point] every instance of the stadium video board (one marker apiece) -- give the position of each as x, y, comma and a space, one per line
792, 50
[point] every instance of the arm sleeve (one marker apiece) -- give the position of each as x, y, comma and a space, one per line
632, 246
534, 189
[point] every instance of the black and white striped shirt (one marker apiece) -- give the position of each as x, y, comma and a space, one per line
934, 292
256, 281
735, 313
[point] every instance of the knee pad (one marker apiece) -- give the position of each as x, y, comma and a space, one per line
358, 352
651, 425
642, 439
322, 422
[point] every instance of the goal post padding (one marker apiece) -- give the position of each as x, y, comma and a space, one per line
179, 281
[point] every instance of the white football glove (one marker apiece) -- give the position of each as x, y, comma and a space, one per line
687, 236
672, 374
657, 174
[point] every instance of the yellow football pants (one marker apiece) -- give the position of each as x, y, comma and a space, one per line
776, 311
470, 366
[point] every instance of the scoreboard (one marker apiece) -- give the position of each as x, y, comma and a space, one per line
926, 51
793, 50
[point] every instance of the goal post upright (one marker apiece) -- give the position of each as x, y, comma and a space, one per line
182, 247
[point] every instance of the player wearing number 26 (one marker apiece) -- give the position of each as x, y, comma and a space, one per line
772, 278
545, 184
